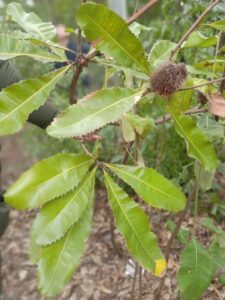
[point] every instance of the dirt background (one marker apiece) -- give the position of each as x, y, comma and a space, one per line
104, 273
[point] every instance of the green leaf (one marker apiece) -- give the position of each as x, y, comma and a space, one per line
220, 25
57, 216
211, 127
217, 254
160, 52
59, 260
20, 99
127, 130
11, 47
30, 22
195, 272
198, 145
111, 63
112, 36
137, 28
181, 101
196, 71
48, 179
205, 177
184, 233
141, 125
104, 107
34, 248
155, 189
54, 47
197, 39
133, 225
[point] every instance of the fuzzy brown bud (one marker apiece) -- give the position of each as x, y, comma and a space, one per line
168, 78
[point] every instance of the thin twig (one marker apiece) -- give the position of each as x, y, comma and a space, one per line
196, 200
217, 52
134, 281
193, 27
79, 37
73, 86
140, 282
141, 11
79, 46
112, 234
127, 153
192, 111
79, 66
173, 236
200, 85
222, 83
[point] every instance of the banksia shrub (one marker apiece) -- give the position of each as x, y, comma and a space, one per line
168, 78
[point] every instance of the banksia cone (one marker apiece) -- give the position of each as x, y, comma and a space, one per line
168, 78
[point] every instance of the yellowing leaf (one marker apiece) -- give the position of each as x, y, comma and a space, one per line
160, 267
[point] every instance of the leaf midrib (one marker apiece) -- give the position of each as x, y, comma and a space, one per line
29, 24
190, 141
119, 44
17, 108
67, 204
145, 182
59, 259
60, 174
130, 224
100, 111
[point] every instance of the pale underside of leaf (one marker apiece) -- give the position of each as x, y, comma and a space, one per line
106, 106
30, 22
11, 47
20, 99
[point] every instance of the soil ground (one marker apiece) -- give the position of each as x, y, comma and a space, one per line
103, 273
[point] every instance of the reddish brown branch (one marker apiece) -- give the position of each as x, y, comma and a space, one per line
194, 26
141, 11
73, 86
94, 52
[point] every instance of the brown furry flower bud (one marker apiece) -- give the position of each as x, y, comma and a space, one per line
168, 78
